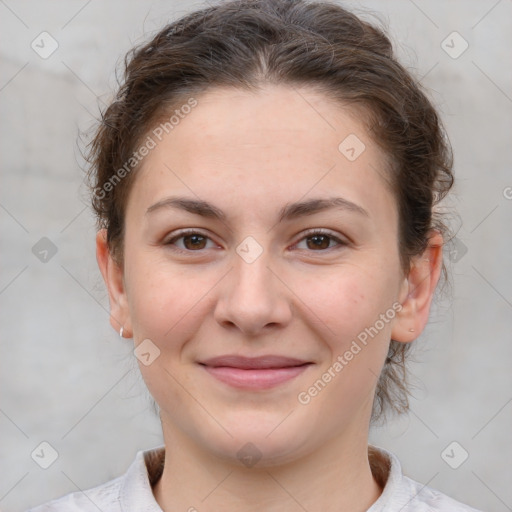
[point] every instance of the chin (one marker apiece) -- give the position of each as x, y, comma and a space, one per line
262, 442
260, 453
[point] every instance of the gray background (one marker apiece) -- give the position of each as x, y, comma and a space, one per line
69, 380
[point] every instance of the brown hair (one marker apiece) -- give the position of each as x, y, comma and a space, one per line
250, 43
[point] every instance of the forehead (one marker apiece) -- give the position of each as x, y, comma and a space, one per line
270, 146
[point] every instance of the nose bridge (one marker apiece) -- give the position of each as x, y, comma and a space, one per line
251, 259
250, 297
251, 274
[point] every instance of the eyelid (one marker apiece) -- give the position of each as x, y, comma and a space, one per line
182, 233
340, 241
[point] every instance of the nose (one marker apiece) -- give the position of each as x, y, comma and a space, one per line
253, 298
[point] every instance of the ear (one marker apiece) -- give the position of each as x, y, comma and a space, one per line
114, 280
418, 290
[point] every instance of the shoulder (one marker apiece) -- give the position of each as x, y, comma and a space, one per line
105, 496
404, 494
130, 492
421, 497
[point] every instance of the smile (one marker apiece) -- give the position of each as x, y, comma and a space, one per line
254, 373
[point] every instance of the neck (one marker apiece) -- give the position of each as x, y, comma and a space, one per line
336, 477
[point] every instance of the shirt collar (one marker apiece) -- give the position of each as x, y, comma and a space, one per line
137, 494
387, 471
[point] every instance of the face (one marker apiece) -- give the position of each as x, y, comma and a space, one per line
261, 262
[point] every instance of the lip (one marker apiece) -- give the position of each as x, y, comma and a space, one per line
254, 373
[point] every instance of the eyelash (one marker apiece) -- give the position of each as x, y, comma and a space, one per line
309, 233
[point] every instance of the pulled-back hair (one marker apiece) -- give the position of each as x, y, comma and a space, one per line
247, 44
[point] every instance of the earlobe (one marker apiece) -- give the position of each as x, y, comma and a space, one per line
418, 291
114, 281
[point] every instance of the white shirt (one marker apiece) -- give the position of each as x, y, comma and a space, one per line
132, 492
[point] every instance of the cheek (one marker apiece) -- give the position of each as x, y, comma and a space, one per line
164, 304
167, 307
349, 299
350, 305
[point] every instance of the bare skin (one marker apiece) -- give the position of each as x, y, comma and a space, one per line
250, 155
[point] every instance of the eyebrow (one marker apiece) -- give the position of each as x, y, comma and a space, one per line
288, 212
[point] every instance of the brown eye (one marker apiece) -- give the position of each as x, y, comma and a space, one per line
189, 241
320, 241
194, 242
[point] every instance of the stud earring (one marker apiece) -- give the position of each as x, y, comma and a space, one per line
411, 330
121, 332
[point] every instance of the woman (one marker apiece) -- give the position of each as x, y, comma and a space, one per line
265, 184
